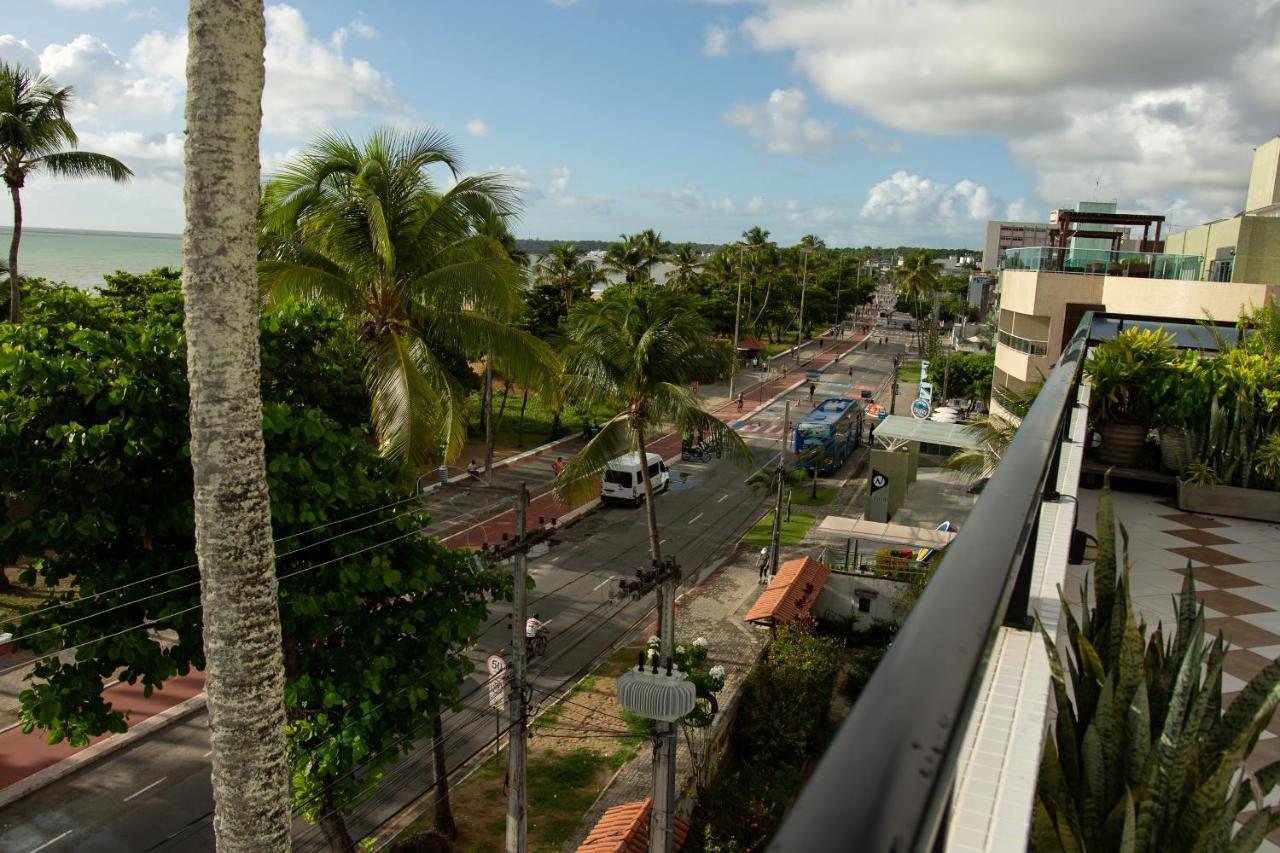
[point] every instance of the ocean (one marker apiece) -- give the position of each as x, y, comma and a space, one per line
82, 258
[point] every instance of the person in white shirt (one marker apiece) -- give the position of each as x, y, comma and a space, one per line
532, 627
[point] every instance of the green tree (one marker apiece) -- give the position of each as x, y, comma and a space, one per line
365, 227
374, 616
564, 267
638, 356
917, 280
965, 374
35, 134
685, 262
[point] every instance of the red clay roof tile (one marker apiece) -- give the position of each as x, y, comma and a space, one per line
791, 593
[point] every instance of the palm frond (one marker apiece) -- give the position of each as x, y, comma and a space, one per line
519, 355
85, 164
578, 481
417, 406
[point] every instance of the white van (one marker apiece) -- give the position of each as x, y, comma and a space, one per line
623, 482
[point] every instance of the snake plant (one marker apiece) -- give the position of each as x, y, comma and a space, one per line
1142, 757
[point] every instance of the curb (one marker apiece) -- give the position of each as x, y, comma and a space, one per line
99, 750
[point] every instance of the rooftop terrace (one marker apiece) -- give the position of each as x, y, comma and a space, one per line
1103, 262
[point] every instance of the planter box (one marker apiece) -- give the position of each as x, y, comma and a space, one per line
1231, 501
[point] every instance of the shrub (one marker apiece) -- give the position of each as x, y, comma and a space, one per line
788, 695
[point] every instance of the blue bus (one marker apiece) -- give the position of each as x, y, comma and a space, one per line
836, 424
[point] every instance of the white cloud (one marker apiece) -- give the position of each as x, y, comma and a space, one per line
17, 52
153, 155
1020, 210
716, 40
755, 205
1147, 99
310, 83
85, 5
781, 125
560, 179
912, 204
477, 127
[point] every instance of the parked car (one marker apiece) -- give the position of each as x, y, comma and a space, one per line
623, 482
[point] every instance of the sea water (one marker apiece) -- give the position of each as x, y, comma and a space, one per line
82, 258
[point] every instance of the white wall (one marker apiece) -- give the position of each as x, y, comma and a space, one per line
839, 599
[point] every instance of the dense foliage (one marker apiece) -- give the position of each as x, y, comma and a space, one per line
97, 485
967, 375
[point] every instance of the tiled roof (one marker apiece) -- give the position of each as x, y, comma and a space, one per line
750, 343
791, 593
625, 829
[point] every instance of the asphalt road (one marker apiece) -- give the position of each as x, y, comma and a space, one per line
155, 794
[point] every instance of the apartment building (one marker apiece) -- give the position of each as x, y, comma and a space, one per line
1095, 258
1000, 237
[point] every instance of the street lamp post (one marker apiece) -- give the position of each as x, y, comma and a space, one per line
737, 313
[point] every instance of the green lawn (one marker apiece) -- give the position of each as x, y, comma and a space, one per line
791, 534
537, 420
16, 600
801, 496
909, 371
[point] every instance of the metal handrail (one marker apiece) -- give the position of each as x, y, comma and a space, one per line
885, 781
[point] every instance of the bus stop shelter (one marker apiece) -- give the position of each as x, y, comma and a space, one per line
897, 431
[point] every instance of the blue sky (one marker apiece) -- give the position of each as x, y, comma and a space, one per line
863, 121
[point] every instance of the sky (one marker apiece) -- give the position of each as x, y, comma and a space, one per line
865, 122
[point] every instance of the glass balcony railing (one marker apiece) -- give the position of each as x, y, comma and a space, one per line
1025, 345
1103, 262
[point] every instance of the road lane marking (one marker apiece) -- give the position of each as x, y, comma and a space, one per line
722, 497
207, 754
50, 842
695, 518
603, 582
553, 560
142, 791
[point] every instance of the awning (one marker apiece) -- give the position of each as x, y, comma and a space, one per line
900, 428
843, 527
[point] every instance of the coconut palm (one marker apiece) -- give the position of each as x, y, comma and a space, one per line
627, 258
565, 267
244, 671
917, 281
808, 245
685, 261
654, 250
993, 434
35, 135
365, 226
638, 357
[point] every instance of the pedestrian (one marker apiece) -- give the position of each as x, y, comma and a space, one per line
473, 470
762, 564
740, 401
558, 465
812, 388
851, 372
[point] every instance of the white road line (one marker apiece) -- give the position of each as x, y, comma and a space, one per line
602, 583
695, 518
50, 842
207, 754
142, 791
722, 497
553, 560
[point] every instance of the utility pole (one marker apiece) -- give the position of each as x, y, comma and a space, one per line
776, 534
804, 277
893, 388
737, 313
839, 279
517, 805
946, 374
665, 577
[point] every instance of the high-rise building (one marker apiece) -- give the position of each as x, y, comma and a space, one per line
1000, 237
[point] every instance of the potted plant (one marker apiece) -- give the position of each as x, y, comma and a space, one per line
1131, 375
1178, 414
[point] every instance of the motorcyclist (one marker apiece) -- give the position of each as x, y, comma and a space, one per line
533, 628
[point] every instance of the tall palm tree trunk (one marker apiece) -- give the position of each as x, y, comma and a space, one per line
334, 826
650, 512
488, 415
524, 401
15, 292
444, 823
238, 588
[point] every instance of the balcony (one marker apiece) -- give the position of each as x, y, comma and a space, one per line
1103, 262
1022, 345
942, 749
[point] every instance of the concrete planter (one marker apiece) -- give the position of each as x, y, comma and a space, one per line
1231, 501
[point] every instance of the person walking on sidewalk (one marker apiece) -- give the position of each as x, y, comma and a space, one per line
762, 564
558, 465
740, 401
812, 388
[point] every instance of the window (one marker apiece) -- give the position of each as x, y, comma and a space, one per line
653, 470
864, 605
618, 478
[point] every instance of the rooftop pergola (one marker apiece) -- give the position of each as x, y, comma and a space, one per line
1069, 224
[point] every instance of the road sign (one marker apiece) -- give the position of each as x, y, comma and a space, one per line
926, 392
497, 682
879, 508
873, 409
920, 409
882, 414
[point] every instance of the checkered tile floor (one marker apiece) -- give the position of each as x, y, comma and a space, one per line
1236, 566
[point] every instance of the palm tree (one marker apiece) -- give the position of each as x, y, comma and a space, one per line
565, 267
653, 250
34, 135
994, 434
365, 227
917, 281
244, 670
685, 261
639, 357
808, 245
627, 259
